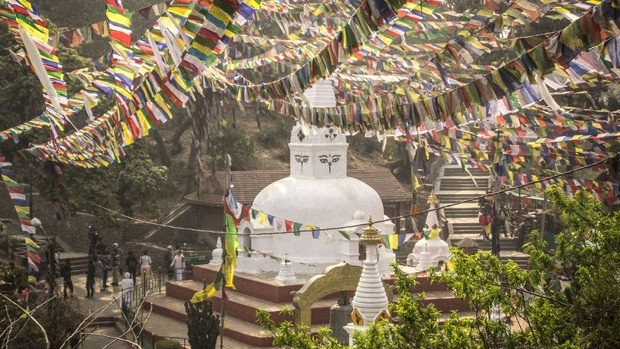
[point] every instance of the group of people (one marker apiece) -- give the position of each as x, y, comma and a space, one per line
103, 261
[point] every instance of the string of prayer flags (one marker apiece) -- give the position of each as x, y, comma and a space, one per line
24, 22
18, 197
152, 111
394, 241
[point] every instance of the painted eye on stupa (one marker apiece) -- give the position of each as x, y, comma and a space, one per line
323, 159
335, 158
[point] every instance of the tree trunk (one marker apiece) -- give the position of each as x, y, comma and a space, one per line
161, 149
176, 137
191, 183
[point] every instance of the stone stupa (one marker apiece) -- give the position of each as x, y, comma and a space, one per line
429, 250
317, 193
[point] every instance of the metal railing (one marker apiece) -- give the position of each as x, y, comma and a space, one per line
134, 298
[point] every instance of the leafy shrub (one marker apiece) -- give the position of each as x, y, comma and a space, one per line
277, 135
167, 344
236, 143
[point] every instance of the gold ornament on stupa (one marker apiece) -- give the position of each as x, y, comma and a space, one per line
370, 235
432, 199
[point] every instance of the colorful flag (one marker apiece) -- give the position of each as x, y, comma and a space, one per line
210, 290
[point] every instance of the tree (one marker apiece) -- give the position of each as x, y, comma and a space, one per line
203, 327
135, 182
513, 308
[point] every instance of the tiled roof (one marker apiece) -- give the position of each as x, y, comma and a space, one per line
248, 184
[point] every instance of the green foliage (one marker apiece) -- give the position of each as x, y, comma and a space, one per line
289, 335
135, 182
57, 316
513, 308
20, 91
140, 180
277, 135
237, 144
363, 145
168, 344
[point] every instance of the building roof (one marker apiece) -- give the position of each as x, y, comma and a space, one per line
247, 184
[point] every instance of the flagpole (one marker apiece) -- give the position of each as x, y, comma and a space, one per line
228, 162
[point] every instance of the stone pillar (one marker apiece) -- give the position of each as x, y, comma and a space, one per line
339, 316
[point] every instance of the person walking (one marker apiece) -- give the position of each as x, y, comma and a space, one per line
178, 263
116, 257
132, 265
145, 267
65, 272
90, 279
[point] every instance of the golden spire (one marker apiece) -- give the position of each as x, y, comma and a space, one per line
370, 235
432, 199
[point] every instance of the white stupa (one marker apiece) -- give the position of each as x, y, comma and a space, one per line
370, 301
318, 193
429, 250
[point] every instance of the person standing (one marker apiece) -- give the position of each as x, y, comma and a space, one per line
93, 236
116, 257
127, 285
168, 261
98, 272
90, 279
178, 263
106, 260
145, 267
65, 272
132, 265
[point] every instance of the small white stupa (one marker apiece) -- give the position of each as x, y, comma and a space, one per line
370, 302
216, 254
286, 274
317, 195
429, 250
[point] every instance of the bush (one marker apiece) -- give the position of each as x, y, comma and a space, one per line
276, 135
238, 145
168, 344
363, 145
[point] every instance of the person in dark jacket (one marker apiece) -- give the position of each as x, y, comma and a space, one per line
132, 265
167, 260
90, 279
65, 272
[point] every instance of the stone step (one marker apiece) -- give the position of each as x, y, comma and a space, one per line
243, 306
79, 261
460, 172
467, 213
162, 327
240, 330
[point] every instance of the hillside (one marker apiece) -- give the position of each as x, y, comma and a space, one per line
270, 150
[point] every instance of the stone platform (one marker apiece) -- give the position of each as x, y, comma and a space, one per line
261, 292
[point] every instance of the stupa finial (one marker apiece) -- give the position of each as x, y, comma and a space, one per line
370, 235
432, 199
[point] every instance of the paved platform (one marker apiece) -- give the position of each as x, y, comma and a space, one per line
106, 304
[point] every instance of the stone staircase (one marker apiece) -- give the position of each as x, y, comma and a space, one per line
454, 185
79, 261
260, 292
